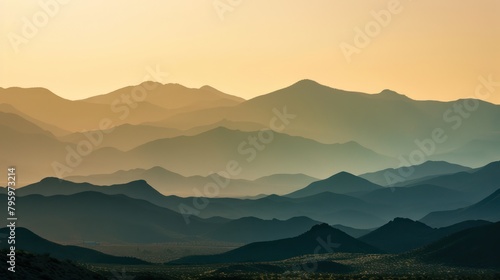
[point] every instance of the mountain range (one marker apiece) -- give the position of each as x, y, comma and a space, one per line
312, 123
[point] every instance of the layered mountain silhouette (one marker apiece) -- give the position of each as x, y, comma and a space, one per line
171, 183
163, 163
401, 234
320, 239
387, 122
329, 207
365, 210
28, 241
315, 121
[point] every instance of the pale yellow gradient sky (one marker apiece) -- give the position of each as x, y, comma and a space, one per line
430, 50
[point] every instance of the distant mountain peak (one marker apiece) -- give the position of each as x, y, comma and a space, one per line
344, 174
51, 180
320, 227
209, 88
307, 82
148, 83
340, 183
392, 94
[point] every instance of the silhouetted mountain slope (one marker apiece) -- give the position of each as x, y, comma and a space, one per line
250, 229
474, 247
402, 175
477, 183
45, 267
487, 209
401, 234
104, 218
53, 186
342, 183
30, 242
320, 239
417, 201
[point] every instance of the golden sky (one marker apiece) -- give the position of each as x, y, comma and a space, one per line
427, 49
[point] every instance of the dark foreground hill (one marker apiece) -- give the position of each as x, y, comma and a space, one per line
320, 239
400, 234
476, 247
30, 242
30, 266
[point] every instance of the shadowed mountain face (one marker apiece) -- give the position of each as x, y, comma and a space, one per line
30, 242
474, 247
320, 239
486, 209
342, 183
400, 234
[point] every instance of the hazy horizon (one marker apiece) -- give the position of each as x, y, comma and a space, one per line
83, 49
